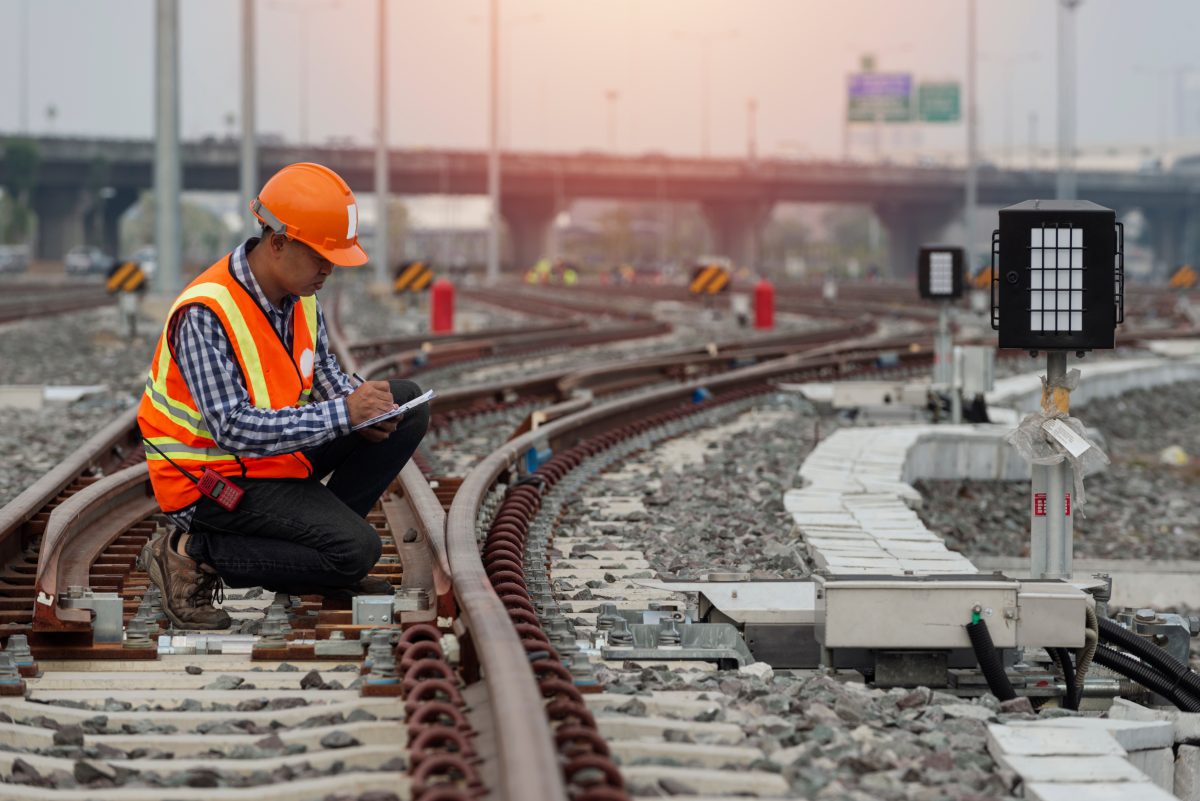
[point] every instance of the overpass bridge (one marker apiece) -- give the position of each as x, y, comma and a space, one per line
914, 204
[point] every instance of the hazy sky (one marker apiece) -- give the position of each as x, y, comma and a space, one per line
93, 60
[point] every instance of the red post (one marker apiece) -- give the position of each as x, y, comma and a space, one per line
764, 305
441, 306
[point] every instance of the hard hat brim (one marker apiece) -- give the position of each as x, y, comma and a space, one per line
353, 256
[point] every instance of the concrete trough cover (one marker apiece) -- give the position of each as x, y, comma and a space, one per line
1097, 791
1047, 741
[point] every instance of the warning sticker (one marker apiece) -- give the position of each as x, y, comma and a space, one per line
1063, 434
1039, 504
1067, 504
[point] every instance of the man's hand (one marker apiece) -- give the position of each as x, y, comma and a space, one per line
381, 431
371, 398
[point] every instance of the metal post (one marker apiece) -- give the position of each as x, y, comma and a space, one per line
24, 45
972, 143
303, 16
1052, 521
956, 386
167, 173
381, 256
943, 354
249, 145
493, 251
752, 130
704, 90
1065, 184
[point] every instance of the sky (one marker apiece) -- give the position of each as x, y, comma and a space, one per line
92, 60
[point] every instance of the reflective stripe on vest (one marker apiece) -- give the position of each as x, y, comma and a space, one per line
273, 375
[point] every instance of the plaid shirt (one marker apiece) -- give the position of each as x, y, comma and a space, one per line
210, 368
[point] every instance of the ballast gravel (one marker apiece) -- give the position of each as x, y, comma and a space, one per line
1138, 508
837, 740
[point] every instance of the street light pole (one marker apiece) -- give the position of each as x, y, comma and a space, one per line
611, 95
167, 172
24, 43
1065, 184
381, 149
493, 250
248, 184
752, 129
972, 141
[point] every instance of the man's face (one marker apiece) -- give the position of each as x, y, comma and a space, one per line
302, 271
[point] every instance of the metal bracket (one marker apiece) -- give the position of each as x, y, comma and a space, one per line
373, 610
108, 608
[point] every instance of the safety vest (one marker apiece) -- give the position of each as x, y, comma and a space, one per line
275, 377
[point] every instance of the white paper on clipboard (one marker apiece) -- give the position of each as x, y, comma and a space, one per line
379, 418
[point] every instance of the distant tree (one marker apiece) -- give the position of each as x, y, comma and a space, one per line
616, 227
784, 237
21, 158
205, 235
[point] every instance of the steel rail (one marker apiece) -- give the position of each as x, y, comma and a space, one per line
117, 442
77, 533
528, 759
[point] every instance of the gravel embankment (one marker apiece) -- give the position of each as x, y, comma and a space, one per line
1139, 508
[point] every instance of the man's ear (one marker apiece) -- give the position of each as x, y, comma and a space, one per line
277, 242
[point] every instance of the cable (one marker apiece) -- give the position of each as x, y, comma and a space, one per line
1084, 656
1146, 676
1177, 672
1062, 657
989, 660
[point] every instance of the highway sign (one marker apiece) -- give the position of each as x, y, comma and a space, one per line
879, 96
413, 276
128, 277
709, 279
1184, 278
939, 102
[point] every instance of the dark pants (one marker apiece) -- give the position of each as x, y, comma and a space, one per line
300, 536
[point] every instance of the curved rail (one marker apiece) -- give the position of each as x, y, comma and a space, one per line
77, 533
528, 758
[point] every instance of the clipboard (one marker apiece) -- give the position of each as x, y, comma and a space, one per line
398, 410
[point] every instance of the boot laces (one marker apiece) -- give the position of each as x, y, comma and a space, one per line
209, 590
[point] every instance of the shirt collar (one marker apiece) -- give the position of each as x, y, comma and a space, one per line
243, 273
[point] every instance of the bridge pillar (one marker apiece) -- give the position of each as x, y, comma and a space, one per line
528, 220
909, 226
103, 221
61, 216
736, 228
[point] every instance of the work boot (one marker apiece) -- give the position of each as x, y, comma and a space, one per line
188, 592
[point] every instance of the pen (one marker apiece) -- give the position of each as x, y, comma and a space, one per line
360, 379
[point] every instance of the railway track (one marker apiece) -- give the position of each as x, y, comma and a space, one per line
29, 301
486, 634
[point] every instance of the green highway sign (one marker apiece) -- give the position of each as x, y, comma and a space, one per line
938, 102
879, 97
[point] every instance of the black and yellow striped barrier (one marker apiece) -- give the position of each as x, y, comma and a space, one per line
1184, 278
128, 277
709, 280
413, 276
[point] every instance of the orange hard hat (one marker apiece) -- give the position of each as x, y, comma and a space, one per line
312, 204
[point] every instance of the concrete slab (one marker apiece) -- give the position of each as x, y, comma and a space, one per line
1133, 735
1072, 769
1047, 741
1187, 773
1097, 791
1158, 764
